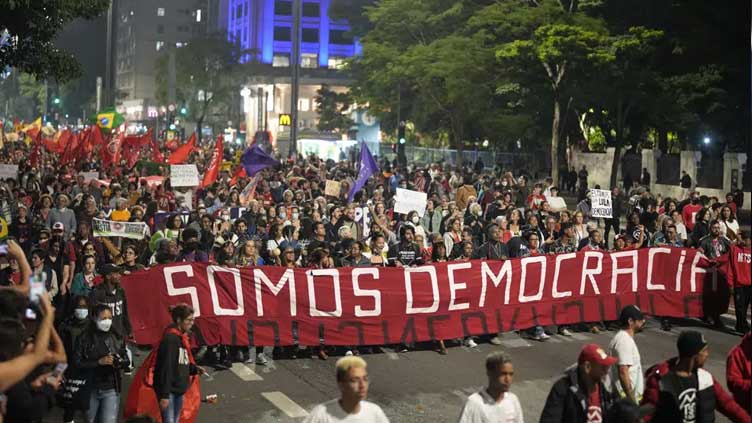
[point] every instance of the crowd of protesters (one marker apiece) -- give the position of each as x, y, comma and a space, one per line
471, 213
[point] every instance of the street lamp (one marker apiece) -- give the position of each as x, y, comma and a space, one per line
245, 92
706, 140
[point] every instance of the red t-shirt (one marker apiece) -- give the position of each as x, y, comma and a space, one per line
688, 214
594, 411
736, 266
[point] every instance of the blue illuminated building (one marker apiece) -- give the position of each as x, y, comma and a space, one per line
265, 26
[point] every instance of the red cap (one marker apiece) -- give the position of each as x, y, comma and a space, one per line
595, 354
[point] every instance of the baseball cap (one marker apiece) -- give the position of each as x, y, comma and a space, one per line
690, 342
110, 268
58, 226
595, 354
630, 312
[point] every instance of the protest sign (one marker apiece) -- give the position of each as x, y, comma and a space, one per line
106, 228
8, 171
407, 201
271, 305
332, 188
89, 176
601, 203
184, 175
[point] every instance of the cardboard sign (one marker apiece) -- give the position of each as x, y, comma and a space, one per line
8, 171
89, 176
601, 203
332, 188
407, 201
184, 175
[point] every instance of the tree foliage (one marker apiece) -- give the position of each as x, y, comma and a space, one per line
28, 29
332, 108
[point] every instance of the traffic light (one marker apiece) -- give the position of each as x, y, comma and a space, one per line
183, 110
56, 100
401, 141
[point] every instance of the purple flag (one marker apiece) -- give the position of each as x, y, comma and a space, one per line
254, 160
368, 167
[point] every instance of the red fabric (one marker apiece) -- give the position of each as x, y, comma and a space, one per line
688, 215
35, 158
594, 410
735, 266
156, 154
132, 146
212, 171
71, 150
239, 173
352, 306
739, 372
141, 396
181, 154
723, 401
111, 151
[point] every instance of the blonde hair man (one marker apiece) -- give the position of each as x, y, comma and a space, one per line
352, 407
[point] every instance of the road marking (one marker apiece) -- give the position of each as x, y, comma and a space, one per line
390, 353
554, 339
245, 373
580, 337
285, 404
515, 343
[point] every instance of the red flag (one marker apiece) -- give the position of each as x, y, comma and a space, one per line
212, 171
180, 155
58, 143
156, 154
239, 173
132, 145
36, 151
71, 150
111, 151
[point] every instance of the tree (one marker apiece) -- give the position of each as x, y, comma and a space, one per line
332, 108
208, 74
27, 31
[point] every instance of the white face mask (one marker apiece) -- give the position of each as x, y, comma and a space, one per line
295, 216
415, 219
283, 216
81, 313
226, 217
104, 325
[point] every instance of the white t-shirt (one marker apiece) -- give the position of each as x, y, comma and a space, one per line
332, 412
624, 348
481, 408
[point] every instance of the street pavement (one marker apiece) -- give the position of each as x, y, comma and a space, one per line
423, 386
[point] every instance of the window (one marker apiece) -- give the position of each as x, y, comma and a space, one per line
336, 62
160, 29
282, 33
309, 60
340, 36
160, 44
311, 10
198, 15
179, 44
281, 60
239, 11
283, 8
160, 11
310, 35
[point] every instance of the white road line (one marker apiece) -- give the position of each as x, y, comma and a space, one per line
390, 353
245, 373
515, 343
285, 404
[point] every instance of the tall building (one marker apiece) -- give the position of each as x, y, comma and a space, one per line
265, 28
144, 28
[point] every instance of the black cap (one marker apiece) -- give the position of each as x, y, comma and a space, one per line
110, 268
690, 342
630, 312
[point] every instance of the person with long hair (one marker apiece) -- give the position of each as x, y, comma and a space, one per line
729, 224
174, 364
248, 255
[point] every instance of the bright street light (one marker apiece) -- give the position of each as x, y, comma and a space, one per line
706, 140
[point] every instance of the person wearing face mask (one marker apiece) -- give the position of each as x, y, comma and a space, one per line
70, 331
100, 354
111, 294
414, 220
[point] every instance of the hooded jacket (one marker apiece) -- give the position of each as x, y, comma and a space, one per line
567, 400
739, 372
662, 394
116, 300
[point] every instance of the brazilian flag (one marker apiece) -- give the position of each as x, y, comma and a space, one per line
109, 118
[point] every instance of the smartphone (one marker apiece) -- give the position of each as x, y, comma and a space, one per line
4, 247
59, 370
30, 314
37, 287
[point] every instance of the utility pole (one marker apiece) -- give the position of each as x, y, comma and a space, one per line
108, 73
295, 78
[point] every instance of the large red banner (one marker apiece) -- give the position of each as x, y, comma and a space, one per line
378, 305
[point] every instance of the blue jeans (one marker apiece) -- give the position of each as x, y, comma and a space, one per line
103, 406
171, 414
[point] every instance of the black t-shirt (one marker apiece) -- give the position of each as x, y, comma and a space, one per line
679, 403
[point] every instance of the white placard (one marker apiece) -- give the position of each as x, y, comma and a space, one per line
601, 203
184, 175
89, 176
557, 204
407, 201
8, 171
